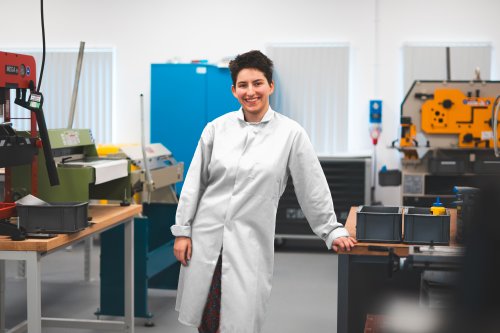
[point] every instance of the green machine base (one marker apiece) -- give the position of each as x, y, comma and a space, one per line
154, 260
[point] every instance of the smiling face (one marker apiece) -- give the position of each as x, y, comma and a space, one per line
252, 91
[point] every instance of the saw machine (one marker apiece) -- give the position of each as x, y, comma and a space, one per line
83, 175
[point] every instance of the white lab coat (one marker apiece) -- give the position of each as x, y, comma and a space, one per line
229, 200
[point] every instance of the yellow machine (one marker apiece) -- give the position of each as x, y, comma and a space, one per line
408, 133
153, 180
448, 132
452, 112
449, 114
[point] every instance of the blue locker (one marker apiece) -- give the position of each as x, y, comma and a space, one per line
184, 98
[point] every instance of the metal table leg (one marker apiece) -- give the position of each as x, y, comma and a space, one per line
364, 285
34, 292
21, 269
343, 293
88, 258
129, 275
33, 273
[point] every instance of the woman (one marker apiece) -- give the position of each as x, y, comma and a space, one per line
226, 215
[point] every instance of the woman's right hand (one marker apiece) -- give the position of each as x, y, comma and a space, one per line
182, 249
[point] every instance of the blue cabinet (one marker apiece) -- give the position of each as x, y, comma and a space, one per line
155, 265
184, 98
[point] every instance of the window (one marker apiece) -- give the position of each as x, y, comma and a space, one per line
311, 87
95, 94
428, 62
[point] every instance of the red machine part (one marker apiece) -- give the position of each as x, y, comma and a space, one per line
17, 71
7, 209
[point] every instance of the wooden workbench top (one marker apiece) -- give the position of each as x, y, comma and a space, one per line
400, 249
103, 217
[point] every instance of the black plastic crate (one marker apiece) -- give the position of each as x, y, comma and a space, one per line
59, 218
421, 227
379, 224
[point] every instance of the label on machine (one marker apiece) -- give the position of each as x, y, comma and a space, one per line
70, 138
487, 135
11, 69
36, 101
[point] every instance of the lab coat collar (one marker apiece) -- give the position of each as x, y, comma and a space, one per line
267, 116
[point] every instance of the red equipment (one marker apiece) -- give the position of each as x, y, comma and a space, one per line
17, 71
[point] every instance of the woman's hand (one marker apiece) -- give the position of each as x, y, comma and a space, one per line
183, 249
344, 243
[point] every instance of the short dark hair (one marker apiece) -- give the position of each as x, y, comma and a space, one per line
252, 59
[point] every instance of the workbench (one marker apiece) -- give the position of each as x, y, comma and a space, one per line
363, 278
31, 251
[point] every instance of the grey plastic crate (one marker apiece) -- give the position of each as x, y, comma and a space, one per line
421, 227
379, 224
59, 218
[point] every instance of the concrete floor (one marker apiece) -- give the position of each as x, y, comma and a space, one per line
304, 296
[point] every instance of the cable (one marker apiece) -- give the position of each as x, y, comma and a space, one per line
43, 53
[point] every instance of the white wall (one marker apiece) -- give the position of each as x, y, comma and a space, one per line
153, 31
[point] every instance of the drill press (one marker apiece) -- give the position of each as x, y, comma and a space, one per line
18, 72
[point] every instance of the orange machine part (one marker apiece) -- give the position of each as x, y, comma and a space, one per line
452, 112
408, 135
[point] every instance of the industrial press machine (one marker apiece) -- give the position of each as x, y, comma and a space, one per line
18, 72
449, 136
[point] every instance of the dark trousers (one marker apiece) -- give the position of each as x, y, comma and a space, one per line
211, 314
